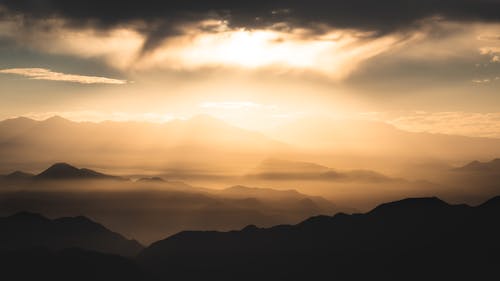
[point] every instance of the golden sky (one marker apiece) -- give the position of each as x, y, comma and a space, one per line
255, 66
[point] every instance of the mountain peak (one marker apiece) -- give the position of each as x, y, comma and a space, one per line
27, 216
250, 227
60, 168
62, 165
66, 171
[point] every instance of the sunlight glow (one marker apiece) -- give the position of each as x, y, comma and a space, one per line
335, 54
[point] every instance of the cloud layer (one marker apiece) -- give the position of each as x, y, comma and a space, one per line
160, 19
47, 74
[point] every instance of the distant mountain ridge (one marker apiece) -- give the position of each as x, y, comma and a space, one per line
292, 198
278, 169
129, 142
477, 166
342, 136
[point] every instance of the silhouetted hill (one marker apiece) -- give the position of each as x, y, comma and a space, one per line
492, 205
69, 264
476, 166
28, 230
66, 171
411, 239
18, 175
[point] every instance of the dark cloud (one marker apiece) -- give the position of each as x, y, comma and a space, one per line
161, 18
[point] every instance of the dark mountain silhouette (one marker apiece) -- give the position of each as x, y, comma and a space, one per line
411, 239
66, 171
70, 264
476, 166
28, 230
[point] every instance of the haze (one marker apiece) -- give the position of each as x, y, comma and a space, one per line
155, 118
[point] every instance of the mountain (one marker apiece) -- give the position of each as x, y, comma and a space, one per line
379, 139
14, 126
18, 175
66, 171
411, 239
475, 166
196, 141
278, 169
280, 198
24, 231
149, 211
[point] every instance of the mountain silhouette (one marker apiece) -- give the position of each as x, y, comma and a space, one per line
24, 231
18, 175
69, 264
477, 166
411, 239
66, 171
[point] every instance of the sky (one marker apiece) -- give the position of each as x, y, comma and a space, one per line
419, 65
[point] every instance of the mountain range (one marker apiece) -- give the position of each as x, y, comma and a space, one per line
61, 171
196, 140
204, 145
410, 239
279, 169
152, 207
374, 138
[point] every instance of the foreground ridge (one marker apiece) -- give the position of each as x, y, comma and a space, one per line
410, 239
